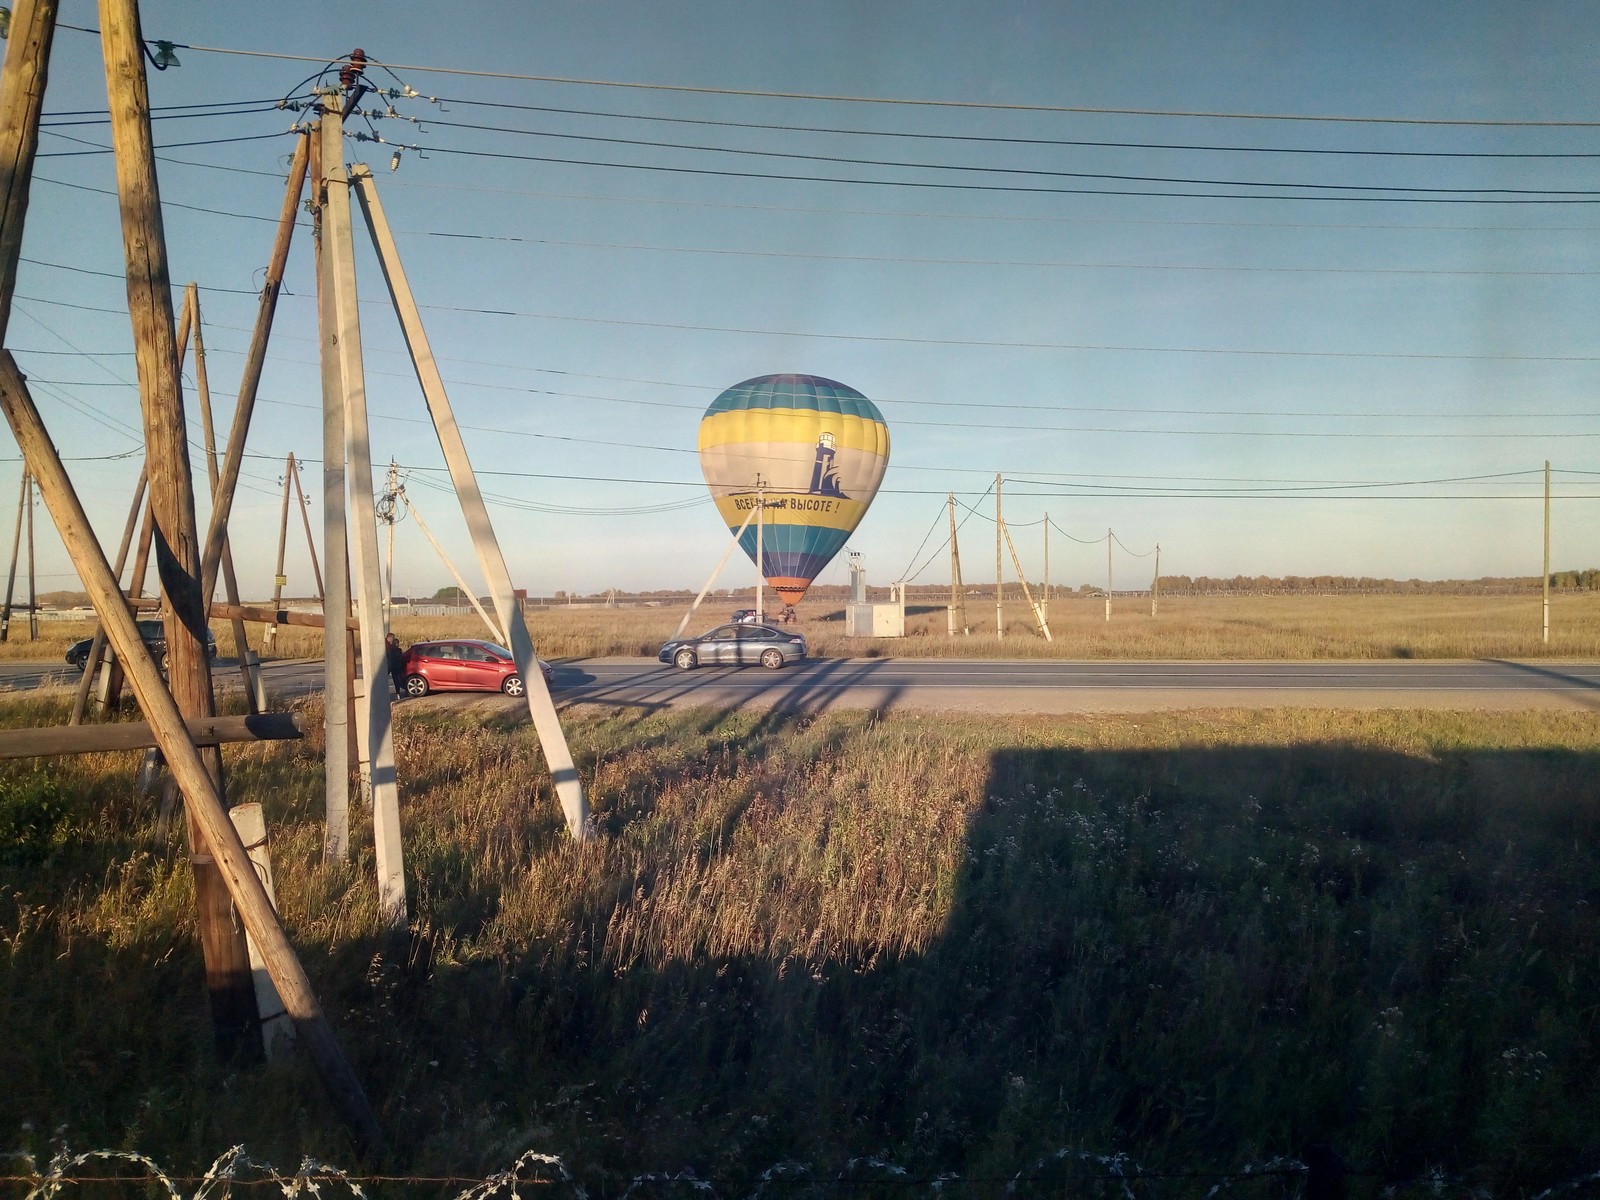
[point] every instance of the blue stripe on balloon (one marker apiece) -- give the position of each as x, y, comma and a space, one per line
794, 551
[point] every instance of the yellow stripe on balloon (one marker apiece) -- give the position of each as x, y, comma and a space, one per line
801, 426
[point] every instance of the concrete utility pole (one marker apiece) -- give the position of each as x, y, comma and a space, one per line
1108, 574
958, 595
1546, 552
177, 542
16, 547
761, 515
999, 568
270, 635
33, 599
491, 561
373, 712
328, 153
1044, 603
1155, 584
1044, 626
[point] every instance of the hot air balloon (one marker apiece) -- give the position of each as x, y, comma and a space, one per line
814, 449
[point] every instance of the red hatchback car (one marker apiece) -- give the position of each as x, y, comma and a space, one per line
465, 665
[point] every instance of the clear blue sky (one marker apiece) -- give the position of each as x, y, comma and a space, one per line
1221, 371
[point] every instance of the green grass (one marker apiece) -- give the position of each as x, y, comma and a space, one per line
957, 944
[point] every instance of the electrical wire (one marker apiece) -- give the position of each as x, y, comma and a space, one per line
962, 105
991, 139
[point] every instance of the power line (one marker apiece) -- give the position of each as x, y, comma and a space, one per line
1383, 190
968, 105
993, 139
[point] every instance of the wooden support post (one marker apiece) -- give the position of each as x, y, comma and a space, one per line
230, 583
255, 358
16, 547
375, 722
491, 560
233, 1006
327, 142
97, 647
202, 797
138, 735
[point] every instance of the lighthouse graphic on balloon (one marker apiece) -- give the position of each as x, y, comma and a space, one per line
813, 449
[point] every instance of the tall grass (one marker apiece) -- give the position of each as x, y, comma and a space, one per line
1199, 939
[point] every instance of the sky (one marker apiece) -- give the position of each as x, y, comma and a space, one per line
1285, 289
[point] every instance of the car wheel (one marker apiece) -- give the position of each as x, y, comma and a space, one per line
771, 659
161, 661
511, 685
684, 659
416, 685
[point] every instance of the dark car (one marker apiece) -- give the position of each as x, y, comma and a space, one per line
736, 645
465, 665
154, 636
743, 616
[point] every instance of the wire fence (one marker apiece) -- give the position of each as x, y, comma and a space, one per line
1321, 1175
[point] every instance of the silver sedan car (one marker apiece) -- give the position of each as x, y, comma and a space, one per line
736, 645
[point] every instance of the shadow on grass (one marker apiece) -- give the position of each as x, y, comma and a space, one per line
1198, 957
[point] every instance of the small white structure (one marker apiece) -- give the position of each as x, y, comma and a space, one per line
863, 619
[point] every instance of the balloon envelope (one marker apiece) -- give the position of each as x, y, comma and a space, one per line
815, 449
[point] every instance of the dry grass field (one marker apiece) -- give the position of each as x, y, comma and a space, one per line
1186, 627
964, 945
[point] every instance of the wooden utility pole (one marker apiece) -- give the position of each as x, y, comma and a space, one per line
171, 493
999, 569
22, 84
1155, 584
24, 75
1108, 574
491, 561
16, 547
202, 383
1546, 552
958, 594
202, 797
255, 358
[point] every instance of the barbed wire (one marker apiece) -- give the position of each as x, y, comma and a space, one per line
1128, 1179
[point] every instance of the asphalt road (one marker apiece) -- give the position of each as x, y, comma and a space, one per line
1015, 686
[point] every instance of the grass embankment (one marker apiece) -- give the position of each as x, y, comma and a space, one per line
959, 944
1186, 627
